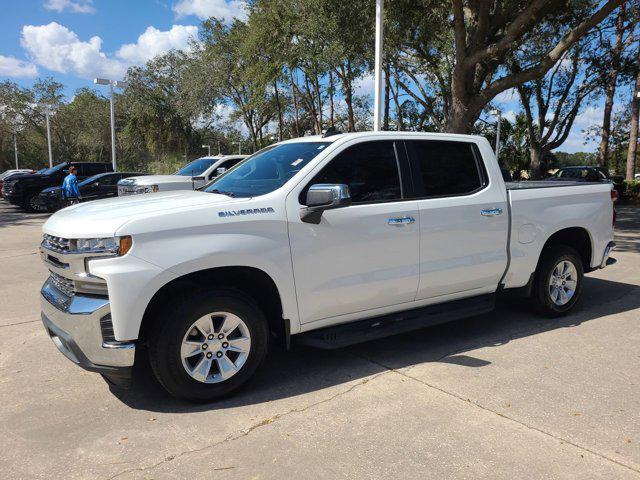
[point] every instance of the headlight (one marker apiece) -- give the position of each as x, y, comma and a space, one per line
147, 189
110, 246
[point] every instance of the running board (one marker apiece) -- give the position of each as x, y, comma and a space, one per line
339, 336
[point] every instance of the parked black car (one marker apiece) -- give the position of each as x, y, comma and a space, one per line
103, 185
23, 190
587, 173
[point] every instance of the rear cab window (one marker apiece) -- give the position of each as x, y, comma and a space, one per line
444, 168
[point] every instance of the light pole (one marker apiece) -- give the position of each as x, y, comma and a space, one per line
47, 113
208, 147
219, 149
111, 83
15, 149
377, 93
499, 114
239, 147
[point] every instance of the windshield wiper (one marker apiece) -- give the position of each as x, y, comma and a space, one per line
222, 192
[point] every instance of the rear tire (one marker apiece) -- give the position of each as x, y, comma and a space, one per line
196, 357
558, 281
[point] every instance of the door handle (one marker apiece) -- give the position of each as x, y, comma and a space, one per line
491, 212
400, 221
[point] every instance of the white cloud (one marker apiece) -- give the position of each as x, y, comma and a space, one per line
13, 67
507, 96
575, 142
57, 48
78, 6
155, 42
365, 85
222, 9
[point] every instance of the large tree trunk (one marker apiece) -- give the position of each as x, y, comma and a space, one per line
385, 122
345, 77
296, 111
331, 93
537, 154
610, 91
633, 135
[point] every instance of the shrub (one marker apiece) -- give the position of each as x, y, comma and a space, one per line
632, 191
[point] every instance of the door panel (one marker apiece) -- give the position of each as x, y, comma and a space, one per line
354, 260
463, 219
363, 256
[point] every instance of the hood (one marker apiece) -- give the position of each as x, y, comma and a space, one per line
102, 218
159, 180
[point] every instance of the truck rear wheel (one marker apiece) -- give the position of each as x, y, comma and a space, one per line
209, 344
558, 281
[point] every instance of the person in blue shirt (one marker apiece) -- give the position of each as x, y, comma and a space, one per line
70, 191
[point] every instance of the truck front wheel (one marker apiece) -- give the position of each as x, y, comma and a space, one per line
558, 281
209, 344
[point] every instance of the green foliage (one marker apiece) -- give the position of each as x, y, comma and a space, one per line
631, 191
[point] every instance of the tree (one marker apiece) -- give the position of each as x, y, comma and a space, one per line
634, 125
486, 35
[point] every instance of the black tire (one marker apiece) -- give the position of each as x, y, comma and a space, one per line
29, 202
541, 295
167, 333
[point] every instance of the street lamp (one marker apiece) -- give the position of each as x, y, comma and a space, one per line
377, 92
47, 114
208, 147
498, 113
239, 147
111, 83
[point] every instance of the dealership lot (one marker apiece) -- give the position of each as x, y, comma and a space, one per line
504, 395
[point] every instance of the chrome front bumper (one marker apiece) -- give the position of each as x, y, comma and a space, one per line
74, 324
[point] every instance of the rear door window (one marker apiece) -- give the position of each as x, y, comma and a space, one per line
445, 168
370, 169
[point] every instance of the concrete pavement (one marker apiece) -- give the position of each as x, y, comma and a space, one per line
504, 395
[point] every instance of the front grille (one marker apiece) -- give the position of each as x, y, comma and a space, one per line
57, 244
61, 283
126, 190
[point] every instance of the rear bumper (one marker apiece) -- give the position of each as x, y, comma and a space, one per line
75, 327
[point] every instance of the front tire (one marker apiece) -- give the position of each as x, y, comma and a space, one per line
558, 281
30, 203
209, 344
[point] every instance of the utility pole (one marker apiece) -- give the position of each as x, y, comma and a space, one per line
377, 94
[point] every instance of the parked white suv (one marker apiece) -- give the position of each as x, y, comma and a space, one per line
325, 240
190, 177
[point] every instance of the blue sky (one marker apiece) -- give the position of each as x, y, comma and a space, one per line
74, 41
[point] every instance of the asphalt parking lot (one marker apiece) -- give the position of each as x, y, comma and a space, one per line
507, 395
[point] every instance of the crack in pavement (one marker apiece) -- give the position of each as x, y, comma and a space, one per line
244, 433
468, 401
19, 323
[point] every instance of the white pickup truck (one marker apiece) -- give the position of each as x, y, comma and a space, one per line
325, 240
190, 177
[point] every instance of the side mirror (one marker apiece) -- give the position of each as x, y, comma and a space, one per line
321, 197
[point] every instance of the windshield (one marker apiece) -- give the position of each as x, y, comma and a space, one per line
196, 167
55, 169
266, 170
90, 180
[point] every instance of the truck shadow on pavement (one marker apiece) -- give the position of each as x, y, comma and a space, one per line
304, 369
